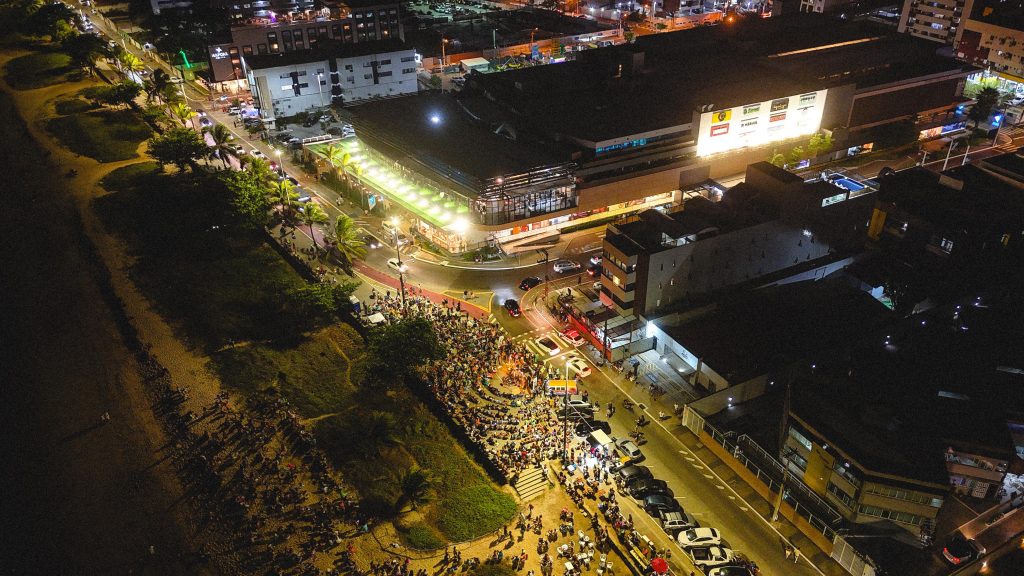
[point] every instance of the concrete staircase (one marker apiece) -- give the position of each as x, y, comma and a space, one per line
531, 483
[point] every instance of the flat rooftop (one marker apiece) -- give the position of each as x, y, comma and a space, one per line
755, 332
456, 141
325, 50
510, 28
896, 407
985, 201
746, 61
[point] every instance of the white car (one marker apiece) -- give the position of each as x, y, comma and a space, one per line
596, 259
257, 154
579, 366
630, 450
699, 537
563, 266
397, 266
706, 557
238, 149
546, 343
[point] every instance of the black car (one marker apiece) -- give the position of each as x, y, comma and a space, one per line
595, 270
513, 308
584, 427
645, 487
656, 503
529, 282
371, 241
631, 473
960, 550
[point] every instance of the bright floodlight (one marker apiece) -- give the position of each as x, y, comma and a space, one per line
435, 119
395, 221
460, 226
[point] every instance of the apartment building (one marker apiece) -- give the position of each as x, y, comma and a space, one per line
291, 82
935, 20
267, 33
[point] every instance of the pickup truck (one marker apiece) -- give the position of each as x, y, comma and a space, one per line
707, 557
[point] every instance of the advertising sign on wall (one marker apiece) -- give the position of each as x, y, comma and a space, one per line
760, 123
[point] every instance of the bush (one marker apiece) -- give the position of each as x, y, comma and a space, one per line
493, 570
73, 106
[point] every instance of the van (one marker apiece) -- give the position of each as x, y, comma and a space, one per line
558, 387
676, 521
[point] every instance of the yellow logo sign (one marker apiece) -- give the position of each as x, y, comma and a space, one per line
721, 116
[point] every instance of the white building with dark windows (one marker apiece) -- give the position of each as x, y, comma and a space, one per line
292, 82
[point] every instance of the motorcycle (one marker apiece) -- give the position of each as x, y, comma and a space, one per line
642, 421
627, 404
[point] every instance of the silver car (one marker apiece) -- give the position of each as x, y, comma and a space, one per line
563, 266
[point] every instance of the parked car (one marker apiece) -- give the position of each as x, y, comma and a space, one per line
546, 343
730, 571
629, 450
707, 557
513, 308
674, 521
257, 154
205, 122
644, 487
699, 537
327, 118
573, 336
238, 149
397, 266
578, 366
655, 504
564, 266
960, 549
598, 286
578, 401
529, 282
586, 426
631, 473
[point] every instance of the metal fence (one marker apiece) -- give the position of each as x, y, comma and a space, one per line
811, 507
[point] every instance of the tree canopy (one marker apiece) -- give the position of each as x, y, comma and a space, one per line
399, 349
178, 146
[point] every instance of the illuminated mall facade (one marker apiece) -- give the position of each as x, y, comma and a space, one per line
519, 156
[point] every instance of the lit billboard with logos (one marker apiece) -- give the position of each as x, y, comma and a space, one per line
760, 123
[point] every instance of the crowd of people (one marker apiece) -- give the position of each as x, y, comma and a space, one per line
491, 386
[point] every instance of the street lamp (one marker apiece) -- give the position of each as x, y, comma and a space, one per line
280, 168
444, 58
319, 87
398, 252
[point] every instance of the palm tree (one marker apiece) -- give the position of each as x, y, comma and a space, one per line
130, 62
333, 153
260, 167
380, 430
349, 165
182, 112
415, 485
283, 194
160, 79
347, 239
221, 137
312, 213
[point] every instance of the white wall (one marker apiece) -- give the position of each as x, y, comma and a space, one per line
360, 77
395, 75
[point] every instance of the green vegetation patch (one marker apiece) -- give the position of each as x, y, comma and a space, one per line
38, 70
105, 135
422, 537
217, 282
312, 372
73, 106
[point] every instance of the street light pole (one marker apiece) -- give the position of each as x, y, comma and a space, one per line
398, 253
444, 57
320, 88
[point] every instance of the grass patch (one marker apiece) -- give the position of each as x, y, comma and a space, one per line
38, 70
105, 135
125, 177
73, 106
422, 537
310, 372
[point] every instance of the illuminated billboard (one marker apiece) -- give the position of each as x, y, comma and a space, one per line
760, 123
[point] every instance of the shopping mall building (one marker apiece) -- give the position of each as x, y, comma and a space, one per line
518, 156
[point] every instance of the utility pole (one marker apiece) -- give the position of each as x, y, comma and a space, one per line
782, 441
398, 253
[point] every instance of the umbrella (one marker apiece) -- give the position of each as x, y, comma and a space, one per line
659, 565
